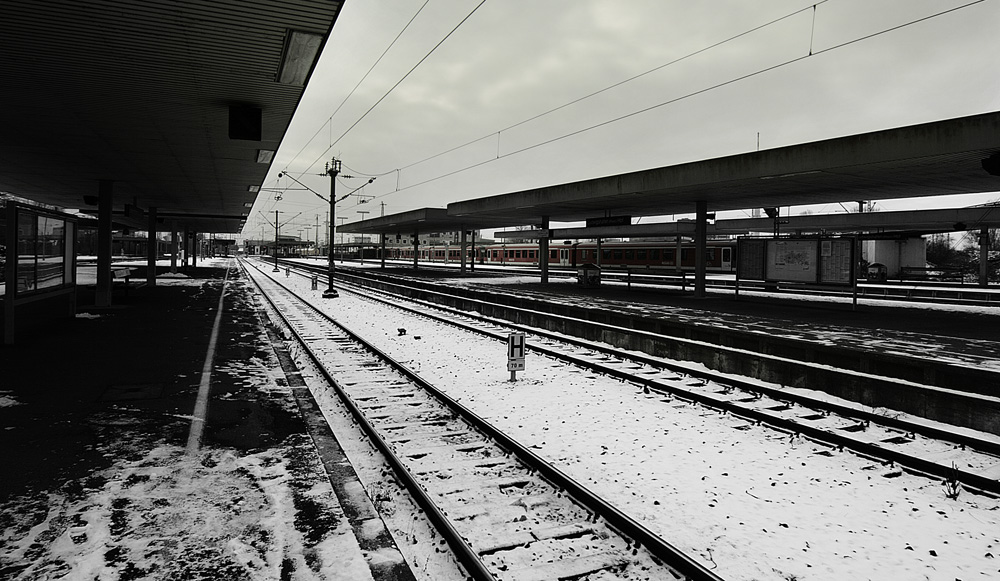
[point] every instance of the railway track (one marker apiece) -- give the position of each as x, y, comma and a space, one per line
957, 457
897, 291
506, 512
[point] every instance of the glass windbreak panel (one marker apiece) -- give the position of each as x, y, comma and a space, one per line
49, 252
26, 229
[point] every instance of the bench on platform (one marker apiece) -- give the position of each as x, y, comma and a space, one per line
123, 275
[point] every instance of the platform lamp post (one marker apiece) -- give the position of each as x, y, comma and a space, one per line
332, 170
276, 269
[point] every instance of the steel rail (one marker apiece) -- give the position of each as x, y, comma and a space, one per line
626, 525
469, 559
814, 433
925, 292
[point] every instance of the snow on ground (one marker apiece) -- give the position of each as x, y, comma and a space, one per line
7, 400
166, 515
751, 503
158, 513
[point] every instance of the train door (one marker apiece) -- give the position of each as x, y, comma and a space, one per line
727, 259
563, 257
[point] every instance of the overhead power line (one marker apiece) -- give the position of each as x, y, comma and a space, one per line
391, 89
370, 69
810, 54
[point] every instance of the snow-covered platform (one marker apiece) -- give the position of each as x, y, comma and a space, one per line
113, 469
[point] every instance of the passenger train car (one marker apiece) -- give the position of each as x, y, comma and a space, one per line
720, 254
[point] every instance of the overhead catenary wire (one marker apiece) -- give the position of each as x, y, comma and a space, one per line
811, 53
610, 87
370, 69
403, 78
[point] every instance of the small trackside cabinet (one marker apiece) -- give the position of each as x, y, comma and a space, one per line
588, 275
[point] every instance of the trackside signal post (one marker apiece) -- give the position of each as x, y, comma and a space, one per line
515, 354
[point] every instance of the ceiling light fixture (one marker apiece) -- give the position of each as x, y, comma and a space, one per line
298, 57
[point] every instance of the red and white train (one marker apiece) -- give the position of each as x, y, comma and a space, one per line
720, 254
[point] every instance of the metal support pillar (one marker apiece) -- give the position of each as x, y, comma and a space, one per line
543, 250
700, 248
105, 201
152, 251
597, 259
463, 252
472, 265
984, 257
173, 247
194, 250
677, 254
382, 250
416, 248
187, 249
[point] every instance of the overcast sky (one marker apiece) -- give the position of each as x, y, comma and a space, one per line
788, 82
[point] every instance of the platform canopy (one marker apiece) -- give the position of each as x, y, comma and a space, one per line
931, 159
180, 104
421, 221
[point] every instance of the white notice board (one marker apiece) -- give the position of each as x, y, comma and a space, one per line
793, 260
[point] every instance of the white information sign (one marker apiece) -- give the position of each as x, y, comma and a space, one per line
515, 352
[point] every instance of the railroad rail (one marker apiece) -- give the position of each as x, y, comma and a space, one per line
955, 456
506, 512
910, 290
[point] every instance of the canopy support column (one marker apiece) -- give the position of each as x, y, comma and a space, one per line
105, 201
700, 247
984, 257
152, 249
462, 252
173, 247
543, 250
416, 248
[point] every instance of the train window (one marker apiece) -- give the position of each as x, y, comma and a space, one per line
531, 254
617, 254
640, 254
710, 254
654, 254
517, 254
727, 255
605, 254
629, 254
686, 255
583, 254
554, 254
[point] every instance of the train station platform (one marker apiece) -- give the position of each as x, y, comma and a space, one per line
161, 438
950, 332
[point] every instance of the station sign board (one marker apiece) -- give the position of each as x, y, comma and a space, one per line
609, 221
